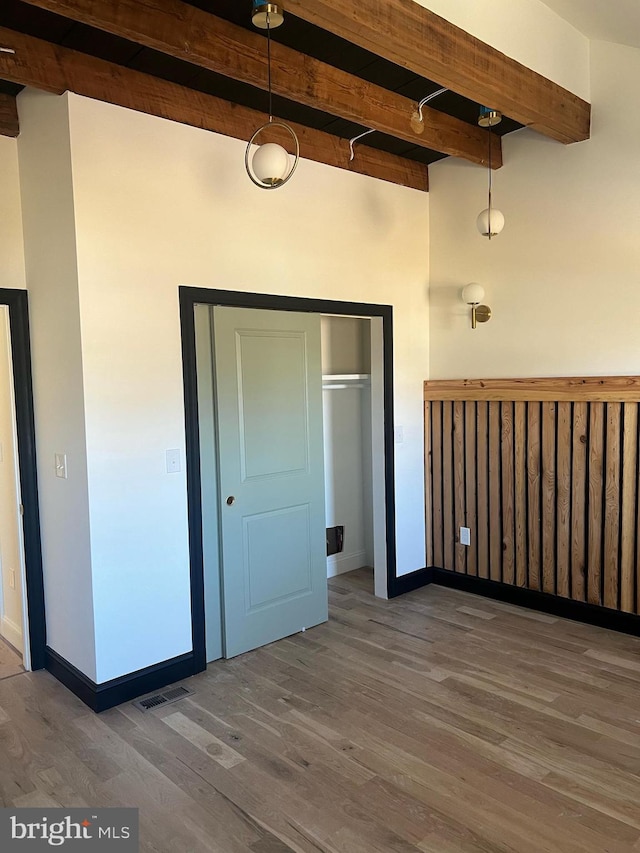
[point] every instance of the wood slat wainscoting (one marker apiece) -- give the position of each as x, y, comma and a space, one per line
545, 473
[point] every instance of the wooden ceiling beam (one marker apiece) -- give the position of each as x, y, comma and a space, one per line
188, 33
9, 124
58, 69
409, 35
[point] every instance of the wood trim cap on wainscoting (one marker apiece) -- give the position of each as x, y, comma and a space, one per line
597, 389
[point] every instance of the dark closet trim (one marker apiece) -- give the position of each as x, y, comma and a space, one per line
17, 301
189, 298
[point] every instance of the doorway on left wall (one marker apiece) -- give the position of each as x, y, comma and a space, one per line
22, 616
14, 632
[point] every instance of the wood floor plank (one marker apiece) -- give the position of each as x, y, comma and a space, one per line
438, 721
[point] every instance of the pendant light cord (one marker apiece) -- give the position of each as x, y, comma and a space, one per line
269, 64
490, 184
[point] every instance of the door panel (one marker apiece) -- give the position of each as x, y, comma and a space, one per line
264, 533
269, 394
273, 414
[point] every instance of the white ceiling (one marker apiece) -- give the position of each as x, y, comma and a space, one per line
615, 20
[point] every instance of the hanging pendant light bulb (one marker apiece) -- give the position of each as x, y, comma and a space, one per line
490, 221
270, 166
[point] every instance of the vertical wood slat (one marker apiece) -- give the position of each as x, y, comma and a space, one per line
508, 496
436, 464
534, 459
447, 484
460, 519
610, 562
563, 500
548, 485
637, 520
428, 486
470, 463
520, 485
482, 476
495, 509
579, 485
628, 511
596, 482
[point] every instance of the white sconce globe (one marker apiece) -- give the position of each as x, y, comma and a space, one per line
270, 164
497, 222
473, 293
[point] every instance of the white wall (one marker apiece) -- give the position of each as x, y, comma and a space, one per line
525, 30
563, 278
11, 241
10, 527
56, 350
156, 205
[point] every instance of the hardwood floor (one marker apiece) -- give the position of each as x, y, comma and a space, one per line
439, 722
10, 661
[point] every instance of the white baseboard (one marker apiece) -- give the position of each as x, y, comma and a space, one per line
11, 632
340, 564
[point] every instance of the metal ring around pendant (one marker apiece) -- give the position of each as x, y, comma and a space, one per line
281, 183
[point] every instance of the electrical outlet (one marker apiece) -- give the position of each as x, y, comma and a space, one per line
61, 465
465, 536
12, 578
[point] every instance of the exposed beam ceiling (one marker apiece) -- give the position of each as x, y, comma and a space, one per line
57, 69
188, 33
9, 125
413, 37
338, 68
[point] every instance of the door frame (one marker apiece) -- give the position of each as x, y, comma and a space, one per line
17, 302
189, 297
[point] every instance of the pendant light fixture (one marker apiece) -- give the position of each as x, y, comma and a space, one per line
491, 221
270, 166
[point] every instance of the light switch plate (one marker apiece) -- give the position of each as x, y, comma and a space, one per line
173, 461
465, 536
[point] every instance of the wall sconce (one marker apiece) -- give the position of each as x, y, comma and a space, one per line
473, 294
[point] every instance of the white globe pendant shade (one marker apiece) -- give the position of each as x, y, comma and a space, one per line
473, 293
497, 222
270, 164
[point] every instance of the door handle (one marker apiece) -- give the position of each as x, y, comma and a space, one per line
231, 500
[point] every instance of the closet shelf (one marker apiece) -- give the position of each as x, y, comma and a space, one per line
345, 377
338, 381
